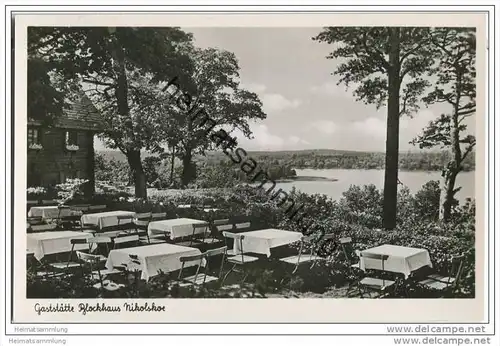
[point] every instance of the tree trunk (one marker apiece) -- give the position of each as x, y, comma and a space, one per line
172, 166
135, 163
447, 197
392, 141
454, 167
89, 188
188, 169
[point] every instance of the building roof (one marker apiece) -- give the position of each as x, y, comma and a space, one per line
80, 115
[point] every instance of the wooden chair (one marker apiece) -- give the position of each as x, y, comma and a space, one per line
94, 261
125, 238
94, 241
311, 257
35, 220
240, 260
158, 237
203, 278
242, 225
42, 228
446, 284
97, 208
197, 278
143, 216
82, 208
214, 231
158, 216
370, 285
125, 223
31, 203
199, 231
97, 240
62, 268
348, 252
141, 230
72, 222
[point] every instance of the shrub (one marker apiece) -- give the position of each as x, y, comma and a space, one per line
426, 201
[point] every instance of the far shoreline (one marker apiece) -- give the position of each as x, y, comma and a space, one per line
305, 178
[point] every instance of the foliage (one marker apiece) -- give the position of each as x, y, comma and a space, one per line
386, 67
36, 192
218, 95
111, 169
328, 159
71, 191
456, 87
426, 201
356, 215
121, 79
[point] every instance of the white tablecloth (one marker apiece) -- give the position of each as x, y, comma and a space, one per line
401, 259
51, 212
264, 240
176, 228
46, 243
153, 258
105, 219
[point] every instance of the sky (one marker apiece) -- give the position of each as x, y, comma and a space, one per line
305, 107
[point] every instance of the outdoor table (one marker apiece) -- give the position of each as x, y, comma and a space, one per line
262, 241
46, 243
105, 219
402, 259
51, 212
176, 228
153, 258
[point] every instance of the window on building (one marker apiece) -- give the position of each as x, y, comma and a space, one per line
71, 138
33, 136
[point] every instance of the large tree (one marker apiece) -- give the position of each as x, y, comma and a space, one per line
217, 91
385, 65
111, 64
455, 86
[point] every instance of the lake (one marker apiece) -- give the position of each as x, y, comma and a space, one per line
346, 177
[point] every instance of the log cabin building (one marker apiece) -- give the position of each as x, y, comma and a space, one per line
65, 149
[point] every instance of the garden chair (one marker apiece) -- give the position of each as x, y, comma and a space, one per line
94, 241
213, 234
348, 252
198, 278
446, 284
311, 257
97, 208
215, 229
83, 208
158, 216
94, 261
199, 231
42, 228
125, 238
319, 248
241, 224
63, 268
35, 220
125, 225
141, 230
143, 216
370, 285
159, 237
72, 221
240, 261
31, 203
